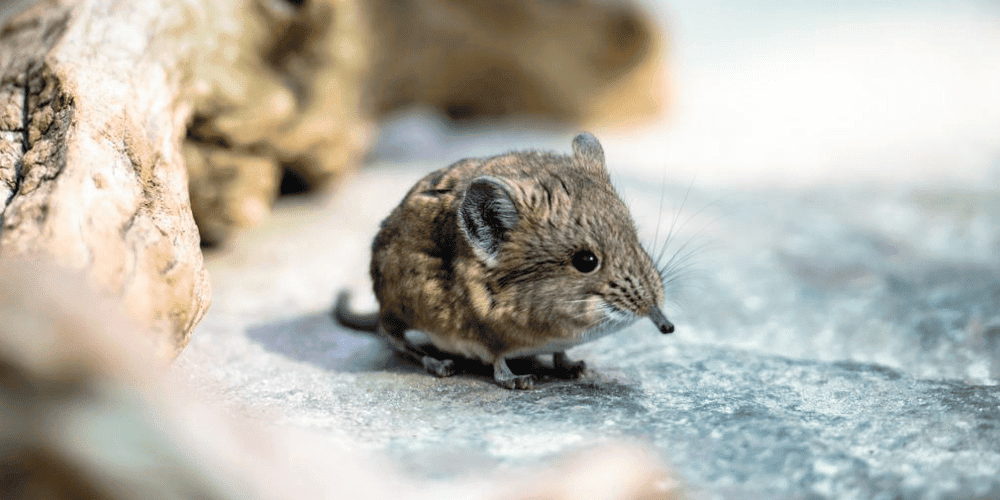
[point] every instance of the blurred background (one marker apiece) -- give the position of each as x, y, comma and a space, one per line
793, 92
798, 93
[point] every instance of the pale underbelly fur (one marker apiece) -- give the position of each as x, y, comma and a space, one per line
477, 350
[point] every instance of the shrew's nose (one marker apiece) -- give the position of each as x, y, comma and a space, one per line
660, 320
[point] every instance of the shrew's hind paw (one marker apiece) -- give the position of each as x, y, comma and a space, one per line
438, 367
566, 368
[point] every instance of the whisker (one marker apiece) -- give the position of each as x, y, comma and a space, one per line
684, 224
694, 237
680, 263
683, 252
659, 211
673, 222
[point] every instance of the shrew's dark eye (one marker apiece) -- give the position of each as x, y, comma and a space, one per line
585, 261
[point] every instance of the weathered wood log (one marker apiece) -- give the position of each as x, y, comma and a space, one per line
102, 100
92, 167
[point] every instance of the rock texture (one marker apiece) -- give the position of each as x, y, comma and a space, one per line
92, 172
582, 62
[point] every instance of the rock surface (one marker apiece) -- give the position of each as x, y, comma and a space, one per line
823, 349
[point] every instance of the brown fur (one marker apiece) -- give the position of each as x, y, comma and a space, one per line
428, 276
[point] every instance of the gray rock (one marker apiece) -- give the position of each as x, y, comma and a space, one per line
837, 344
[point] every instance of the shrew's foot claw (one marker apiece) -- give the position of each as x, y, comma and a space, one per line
522, 382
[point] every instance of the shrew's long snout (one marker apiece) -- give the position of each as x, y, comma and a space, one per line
661, 321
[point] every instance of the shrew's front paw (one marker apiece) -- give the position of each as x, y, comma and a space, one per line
506, 378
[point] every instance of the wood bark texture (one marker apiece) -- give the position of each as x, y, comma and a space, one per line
91, 171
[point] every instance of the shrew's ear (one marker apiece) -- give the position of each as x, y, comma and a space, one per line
588, 151
485, 216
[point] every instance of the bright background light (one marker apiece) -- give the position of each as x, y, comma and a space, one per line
802, 93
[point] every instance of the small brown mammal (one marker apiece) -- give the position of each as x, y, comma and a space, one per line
515, 255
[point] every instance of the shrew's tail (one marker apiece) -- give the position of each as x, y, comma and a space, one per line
343, 314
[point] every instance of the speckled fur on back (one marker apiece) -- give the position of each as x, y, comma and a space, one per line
522, 296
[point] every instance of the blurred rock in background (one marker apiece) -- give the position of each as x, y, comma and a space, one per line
582, 62
78, 419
